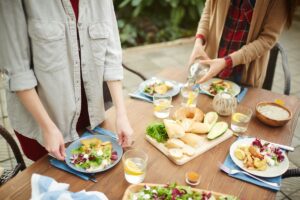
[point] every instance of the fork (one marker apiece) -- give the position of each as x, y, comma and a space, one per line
235, 171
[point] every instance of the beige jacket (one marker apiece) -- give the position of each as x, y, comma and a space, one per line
268, 21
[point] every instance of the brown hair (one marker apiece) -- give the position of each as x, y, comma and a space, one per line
291, 7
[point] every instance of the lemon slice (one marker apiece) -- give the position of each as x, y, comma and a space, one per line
279, 102
162, 105
239, 117
132, 168
191, 98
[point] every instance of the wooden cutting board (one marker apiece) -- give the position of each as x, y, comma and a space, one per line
203, 146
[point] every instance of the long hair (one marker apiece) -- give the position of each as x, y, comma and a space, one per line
291, 7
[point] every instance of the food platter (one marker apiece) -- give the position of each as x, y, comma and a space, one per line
136, 188
269, 172
76, 144
204, 145
229, 86
173, 88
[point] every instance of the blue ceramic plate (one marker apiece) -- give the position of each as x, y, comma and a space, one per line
172, 92
76, 144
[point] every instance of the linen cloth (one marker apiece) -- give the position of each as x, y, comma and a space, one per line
46, 188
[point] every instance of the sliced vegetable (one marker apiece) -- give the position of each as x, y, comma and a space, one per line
217, 130
211, 118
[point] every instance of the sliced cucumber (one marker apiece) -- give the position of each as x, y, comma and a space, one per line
217, 130
211, 118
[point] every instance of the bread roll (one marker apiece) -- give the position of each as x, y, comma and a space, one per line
176, 153
189, 113
191, 139
199, 128
174, 143
188, 150
186, 124
174, 129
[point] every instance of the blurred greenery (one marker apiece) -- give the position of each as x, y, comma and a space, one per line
150, 21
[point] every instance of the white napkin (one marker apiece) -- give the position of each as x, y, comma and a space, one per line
47, 188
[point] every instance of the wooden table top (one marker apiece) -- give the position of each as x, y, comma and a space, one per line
160, 169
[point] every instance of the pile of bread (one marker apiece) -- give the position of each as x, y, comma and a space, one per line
184, 130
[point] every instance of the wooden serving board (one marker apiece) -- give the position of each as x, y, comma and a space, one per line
204, 146
137, 187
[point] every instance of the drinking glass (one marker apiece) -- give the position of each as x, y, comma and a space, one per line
240, 119
135, 164
162, 105
189, 96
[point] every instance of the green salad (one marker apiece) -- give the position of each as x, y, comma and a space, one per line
157, 131
175, 192
93, 154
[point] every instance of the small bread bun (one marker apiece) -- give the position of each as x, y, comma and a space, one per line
174, 129
191, 139
176, 153
174, 143
199, 128
189, 113
186, 124
188, 150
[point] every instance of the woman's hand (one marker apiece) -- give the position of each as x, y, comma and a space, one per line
54, 142
198, 52
124, 131
215, 67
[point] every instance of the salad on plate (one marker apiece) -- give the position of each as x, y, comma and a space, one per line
93, 154
175, 192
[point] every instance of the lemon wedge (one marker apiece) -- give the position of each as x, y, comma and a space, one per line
191, 97
279, 102
132, 168
239, 117
162, 105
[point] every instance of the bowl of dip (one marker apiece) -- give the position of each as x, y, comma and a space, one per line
272, 113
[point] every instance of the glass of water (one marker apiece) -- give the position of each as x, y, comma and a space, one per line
240, 119
162, 105
189, 96
135, 164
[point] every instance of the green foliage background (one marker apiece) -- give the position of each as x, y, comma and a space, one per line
150, 21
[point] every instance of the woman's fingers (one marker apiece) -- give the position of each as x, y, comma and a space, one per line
62, 150
57, 154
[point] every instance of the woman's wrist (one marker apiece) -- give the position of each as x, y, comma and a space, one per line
228, 61
200, 38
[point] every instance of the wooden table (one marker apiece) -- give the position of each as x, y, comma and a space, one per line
160, 169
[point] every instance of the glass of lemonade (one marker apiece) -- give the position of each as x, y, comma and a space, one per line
240, 119
162, 105
189, 97
135, 164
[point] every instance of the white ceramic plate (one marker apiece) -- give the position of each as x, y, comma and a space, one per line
269, 172
235, 89
172, 92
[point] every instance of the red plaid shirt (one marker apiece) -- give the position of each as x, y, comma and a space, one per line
234, 35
